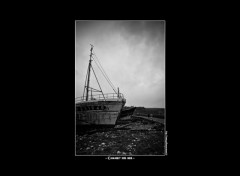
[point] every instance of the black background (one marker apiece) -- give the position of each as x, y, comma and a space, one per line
44, 60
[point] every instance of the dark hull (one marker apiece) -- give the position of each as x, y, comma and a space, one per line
127, 112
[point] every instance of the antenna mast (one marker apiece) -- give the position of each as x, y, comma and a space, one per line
89, 66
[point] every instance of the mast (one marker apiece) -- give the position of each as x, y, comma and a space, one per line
89, 66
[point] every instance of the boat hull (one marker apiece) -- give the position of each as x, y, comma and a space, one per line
127, 112
98, 112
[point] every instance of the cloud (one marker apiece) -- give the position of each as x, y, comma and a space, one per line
131, 52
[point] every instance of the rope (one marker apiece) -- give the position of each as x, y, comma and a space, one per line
98, 82
104, 73
108, 80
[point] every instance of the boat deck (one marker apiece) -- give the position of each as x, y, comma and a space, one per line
101, 97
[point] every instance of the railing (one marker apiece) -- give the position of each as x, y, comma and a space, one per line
100, 97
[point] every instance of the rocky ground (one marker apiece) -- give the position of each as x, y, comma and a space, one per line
132, 136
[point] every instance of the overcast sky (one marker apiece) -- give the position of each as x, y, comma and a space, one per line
132, 54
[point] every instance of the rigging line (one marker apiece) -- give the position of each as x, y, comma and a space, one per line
104, 72
101, 67
106, 78
105, 75
98, 82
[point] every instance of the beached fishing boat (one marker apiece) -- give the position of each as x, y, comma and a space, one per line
127, 111
99, 109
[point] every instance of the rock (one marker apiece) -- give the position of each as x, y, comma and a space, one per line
123, 153
118, 152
